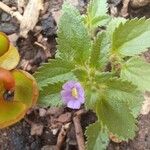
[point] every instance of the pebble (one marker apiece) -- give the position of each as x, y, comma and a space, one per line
8, 28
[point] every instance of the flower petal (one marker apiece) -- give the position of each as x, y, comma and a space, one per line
79, 89
81, 99
69, 85
66, 96
74, 104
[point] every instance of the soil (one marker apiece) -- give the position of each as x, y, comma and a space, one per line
50, 120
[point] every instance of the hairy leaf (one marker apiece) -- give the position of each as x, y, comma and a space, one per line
81, 74
50, 95
123, 91
97, 137
97, 13
73, 40
94, 91
92, 96
113, 24
96, 49
132, 37
54, 71
117, 118
137, 71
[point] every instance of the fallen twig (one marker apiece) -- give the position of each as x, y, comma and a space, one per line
8, 10
124, 10
62, 135
29, 18
78, 129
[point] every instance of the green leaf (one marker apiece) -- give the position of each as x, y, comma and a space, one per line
96, 49
103, 77
100, 52
73, 40
135, 102
97, 137
113, 24
126, 92
81, 74
92, 96
97, 13
132, 37
94, 90
50, 95
137, 71
122, 91
54, 71
117, 118
118, 88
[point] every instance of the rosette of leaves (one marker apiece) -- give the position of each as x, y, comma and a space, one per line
18, 89
106, 63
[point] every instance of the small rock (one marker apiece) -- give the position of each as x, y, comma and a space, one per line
36, 129
139, 3
115, 2
48, 147
48, 26
64, 118
55, 131
8, 28
73, 2
55, 111
114, 138
5, 17
56, 15
42, 112
146, 105
13, 38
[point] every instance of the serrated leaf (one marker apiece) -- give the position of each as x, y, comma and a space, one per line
81, 74
54, 71
123, 91
113, 24
132, 37
97, 13
137, 71
116, 88
73, 40
100, 52
92, 96
97, 137
96, 49
135, 102
50, 95
117, 118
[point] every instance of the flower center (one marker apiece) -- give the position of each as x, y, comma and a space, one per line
74, 92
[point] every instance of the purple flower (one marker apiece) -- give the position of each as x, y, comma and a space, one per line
73, 94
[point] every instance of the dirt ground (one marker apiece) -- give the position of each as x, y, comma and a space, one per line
41, 127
